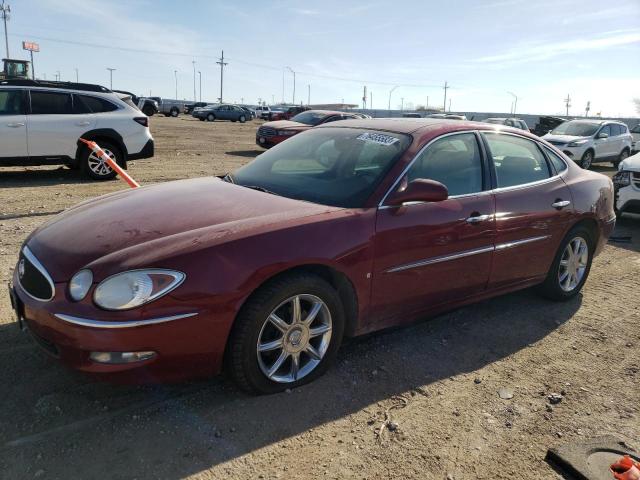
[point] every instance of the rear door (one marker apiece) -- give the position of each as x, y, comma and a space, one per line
54, 125
533, 208
434, 253
602, 146
13, 124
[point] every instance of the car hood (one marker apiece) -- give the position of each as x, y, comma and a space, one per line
280, 124
563, 138
148, 224
631, 163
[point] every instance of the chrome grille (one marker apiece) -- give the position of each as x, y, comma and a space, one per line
33, 277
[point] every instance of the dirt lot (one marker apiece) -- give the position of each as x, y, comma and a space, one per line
438, 380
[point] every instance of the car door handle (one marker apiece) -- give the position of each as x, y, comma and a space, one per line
83, 124
560, 204
15, 125
478, 218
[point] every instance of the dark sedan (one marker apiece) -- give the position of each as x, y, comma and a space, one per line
345, 229
211, 113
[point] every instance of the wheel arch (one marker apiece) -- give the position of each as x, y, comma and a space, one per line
99, 134
591, 224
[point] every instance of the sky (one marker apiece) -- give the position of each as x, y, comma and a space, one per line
486, 50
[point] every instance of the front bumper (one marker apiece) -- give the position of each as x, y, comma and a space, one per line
627, 199
268, 142
146, 152
181, 351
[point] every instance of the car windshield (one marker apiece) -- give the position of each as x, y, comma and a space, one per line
636, 129
332, 166
577, 129
309, 118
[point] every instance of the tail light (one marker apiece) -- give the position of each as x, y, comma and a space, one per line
144, 121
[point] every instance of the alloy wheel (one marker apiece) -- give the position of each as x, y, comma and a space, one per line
573, 264
294, 338
98, 165
587, 159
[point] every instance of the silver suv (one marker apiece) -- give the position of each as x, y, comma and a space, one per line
589, 141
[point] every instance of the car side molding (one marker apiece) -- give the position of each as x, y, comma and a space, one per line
86, 322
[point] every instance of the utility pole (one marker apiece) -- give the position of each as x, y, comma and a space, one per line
449, 104
586, 110
293, 101
194, 81
77, 81
567, 102
390, 92
222, 64
111, 70
200, 78
309, 94
5, 10
515, 102
58, 75
427, 107
175, 76
402, 104
364, 98
446, 87
371, 99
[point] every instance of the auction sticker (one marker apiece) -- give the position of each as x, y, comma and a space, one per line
377, 138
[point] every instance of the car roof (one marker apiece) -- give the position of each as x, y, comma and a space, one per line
412, 125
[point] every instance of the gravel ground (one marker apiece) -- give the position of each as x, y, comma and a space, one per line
435, 385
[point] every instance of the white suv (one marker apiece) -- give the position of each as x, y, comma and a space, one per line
41, 124
627, 185
589, 141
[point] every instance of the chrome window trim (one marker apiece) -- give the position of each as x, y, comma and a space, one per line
36, 263
86, 322
466, 253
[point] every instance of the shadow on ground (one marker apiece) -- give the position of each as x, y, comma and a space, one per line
39, 177
245, 153
52, 414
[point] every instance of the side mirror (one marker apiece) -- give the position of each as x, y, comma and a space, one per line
603, 135
419, 190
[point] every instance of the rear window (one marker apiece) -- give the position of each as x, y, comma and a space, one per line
96, 104
50, 103
309, 118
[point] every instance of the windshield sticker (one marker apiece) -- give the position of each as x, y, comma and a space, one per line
378, 138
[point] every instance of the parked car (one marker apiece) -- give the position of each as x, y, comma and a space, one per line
167, 107
447, 116
272, 133
263, 112
146, 105
635, 134
189, 107
342, 230
250, 111
546, 124
222, 112
589, 141
509, 122
627, 185
42, 123
411, 115
288, 113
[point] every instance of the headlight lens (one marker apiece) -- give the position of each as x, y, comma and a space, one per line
622, 179
80, 284
135, 288
577, 143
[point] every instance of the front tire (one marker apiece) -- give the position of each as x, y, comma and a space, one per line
174, 112
570, 267
587, 160
211, 117
287, 334
96, 168
242, 119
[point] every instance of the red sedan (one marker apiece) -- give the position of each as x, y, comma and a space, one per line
272, 133
345, 229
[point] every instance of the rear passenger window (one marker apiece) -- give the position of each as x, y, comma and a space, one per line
556, 161
96, 104
615, 130
454, 161
517, 161
11, 102
50, 103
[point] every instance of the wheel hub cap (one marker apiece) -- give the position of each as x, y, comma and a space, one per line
573, 264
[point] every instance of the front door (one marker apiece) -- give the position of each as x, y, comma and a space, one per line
602, 146
13, 124
433, 253
533, 209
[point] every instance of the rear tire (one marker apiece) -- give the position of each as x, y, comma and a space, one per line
211, 117
174, 112
148, 111
623, 156
587, 160
95, 168
557, 286
254, 328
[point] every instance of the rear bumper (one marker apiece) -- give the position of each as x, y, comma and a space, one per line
146, 152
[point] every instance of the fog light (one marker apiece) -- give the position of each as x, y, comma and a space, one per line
120, 357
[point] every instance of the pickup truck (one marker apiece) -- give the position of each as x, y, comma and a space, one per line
169, 108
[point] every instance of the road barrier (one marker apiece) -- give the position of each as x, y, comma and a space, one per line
109, 161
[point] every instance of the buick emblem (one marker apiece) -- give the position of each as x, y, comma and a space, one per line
21, 268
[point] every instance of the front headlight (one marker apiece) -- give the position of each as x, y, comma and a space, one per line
286, 133
622, 179
577, 143
80, 284
135, 288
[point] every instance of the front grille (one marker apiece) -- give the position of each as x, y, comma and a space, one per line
267, 132
33, 277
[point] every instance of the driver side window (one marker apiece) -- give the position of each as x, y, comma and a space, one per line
454, 161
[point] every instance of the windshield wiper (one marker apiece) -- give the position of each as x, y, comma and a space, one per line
260, 189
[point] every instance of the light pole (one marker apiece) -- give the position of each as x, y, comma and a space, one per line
111, 70
200, 79
293, 101
6, 10
175, 75
194, 80
58, 75
515, 102
390, 92
77, 81
222, 64
402, 104
308, 94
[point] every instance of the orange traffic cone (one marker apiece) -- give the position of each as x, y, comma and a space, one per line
101, 153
